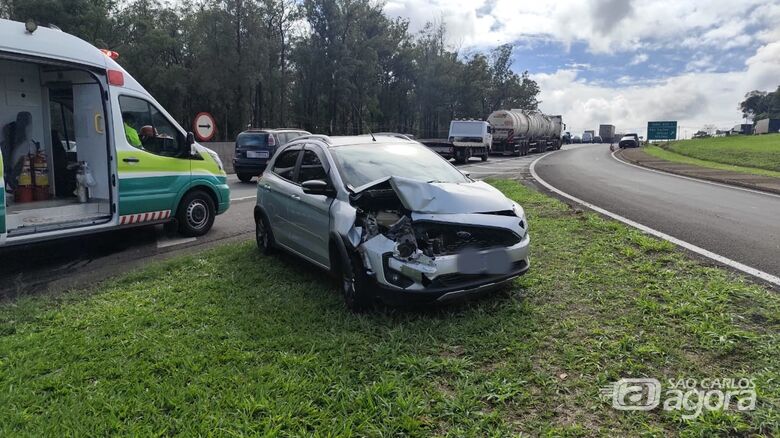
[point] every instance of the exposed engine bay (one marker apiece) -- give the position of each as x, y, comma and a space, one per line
410, 248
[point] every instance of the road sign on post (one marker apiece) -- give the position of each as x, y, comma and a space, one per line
204, 126
662, 130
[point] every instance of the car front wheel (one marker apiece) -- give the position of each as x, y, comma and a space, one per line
355, 285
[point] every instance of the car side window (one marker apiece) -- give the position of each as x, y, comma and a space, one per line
146, 128
285, 164
311, 167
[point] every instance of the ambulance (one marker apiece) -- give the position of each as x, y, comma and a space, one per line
85, 148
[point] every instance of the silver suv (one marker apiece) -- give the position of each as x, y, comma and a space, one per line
390, 219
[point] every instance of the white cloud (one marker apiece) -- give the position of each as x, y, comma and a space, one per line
693, 99
639, 58
605, 25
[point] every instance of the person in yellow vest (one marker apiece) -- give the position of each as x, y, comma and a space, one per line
130, 133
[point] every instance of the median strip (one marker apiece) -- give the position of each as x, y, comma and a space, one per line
229, 340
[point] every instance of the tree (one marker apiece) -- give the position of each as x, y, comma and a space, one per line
329, 66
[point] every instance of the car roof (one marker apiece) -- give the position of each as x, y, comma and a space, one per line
350, 140
272, 130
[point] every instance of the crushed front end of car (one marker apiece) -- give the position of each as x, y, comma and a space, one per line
437, 241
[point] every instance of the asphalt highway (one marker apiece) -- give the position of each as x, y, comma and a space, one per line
738, 224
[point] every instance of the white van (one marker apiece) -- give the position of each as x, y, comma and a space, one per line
86, 149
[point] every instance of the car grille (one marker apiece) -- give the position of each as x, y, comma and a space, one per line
454, 238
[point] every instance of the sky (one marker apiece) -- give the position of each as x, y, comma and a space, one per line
623, 62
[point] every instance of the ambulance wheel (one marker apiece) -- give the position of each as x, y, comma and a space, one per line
196, 214
244, 178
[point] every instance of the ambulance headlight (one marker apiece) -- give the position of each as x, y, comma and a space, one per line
217, 160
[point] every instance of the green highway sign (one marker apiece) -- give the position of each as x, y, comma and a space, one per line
662, 130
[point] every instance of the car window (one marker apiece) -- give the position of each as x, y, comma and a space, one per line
146, 128
311, 167
283, 138
362, 164
251, 140
285, 164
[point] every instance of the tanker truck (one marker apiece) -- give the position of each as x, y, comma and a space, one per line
515, 132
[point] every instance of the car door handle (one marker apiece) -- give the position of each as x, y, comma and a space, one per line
266, 186
131, 160
296, 197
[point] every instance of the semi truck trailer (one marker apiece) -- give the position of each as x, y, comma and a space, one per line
516, 132
607, 133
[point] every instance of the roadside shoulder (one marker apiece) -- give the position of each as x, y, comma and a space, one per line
757, 182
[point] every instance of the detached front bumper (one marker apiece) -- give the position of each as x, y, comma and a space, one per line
441, 279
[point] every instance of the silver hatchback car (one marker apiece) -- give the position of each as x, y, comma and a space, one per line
390, 219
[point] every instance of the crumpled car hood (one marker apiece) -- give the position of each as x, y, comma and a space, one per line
445, 198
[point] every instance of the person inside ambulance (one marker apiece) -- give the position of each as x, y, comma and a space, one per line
130, 133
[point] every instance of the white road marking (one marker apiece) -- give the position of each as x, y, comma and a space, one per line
728, 186
244, 198
689, 246
166, 242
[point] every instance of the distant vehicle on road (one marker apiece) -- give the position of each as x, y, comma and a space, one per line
742, 129
254, 147
607, 133
587, 137
390, 219
466, 139
516, 131
597, 139
629, 141
566, 137
767, 126
576, 139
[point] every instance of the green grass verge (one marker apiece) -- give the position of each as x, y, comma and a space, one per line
667, 155
748, 153
229, 342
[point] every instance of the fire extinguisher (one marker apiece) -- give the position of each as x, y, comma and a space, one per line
40, 173
24, 188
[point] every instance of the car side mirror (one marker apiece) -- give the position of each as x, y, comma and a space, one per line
191, 143
318, 187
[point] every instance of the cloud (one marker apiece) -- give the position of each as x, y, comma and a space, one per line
639, 58
693, 99
604, 25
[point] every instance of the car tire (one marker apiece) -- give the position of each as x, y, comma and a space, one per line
355, 285
264, 237
484, 157
196, 214
244, 178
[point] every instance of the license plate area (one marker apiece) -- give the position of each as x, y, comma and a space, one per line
490, 261
257, 154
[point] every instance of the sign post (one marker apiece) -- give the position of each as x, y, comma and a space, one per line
204, 126
662, 130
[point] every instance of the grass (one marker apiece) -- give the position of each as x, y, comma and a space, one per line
759, 155
229, 342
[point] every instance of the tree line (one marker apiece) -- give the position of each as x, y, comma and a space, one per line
328, 66
760, 105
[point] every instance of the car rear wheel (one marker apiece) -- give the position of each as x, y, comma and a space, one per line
263, 236
244, 178
196, 214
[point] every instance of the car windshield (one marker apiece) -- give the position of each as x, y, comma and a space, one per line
251, 140
362, 164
